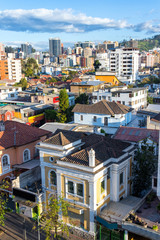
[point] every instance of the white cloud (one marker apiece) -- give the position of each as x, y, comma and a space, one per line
56, 20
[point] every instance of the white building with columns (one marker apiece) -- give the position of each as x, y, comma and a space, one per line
88, 171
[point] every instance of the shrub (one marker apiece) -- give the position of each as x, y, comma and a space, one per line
155, 227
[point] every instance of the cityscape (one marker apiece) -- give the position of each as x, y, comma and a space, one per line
80, 121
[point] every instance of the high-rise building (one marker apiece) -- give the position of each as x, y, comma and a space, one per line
124, 62
26, 48
54, 47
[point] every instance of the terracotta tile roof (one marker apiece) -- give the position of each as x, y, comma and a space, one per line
78, 80
24, 134
105, 149
156, 118
132, 134
62, 138
102, 107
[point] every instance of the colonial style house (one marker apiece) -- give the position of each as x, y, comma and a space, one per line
17, 145
102, 114
88, 170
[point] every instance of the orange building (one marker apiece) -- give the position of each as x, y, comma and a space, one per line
107, 77
4, 69
17, 145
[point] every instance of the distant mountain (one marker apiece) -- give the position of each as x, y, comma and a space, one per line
145, 44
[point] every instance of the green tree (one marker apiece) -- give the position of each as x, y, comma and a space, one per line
149, 99
144, 166
96, 65
63, 105
82, 99
51, 220
23, 83
51, 114
3, 202
30, 67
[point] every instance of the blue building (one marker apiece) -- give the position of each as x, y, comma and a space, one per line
102, 114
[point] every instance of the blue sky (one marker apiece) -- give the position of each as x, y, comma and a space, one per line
36, 20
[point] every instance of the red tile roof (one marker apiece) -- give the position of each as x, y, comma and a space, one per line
132, 134
24, 134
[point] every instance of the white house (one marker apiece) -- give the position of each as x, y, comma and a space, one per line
103, 113
9, 93
132, 97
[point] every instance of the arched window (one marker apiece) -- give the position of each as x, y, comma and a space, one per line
26, 155
53, 178
5, 163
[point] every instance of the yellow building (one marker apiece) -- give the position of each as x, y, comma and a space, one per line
107, 77
88, 171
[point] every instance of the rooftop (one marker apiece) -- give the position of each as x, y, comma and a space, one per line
102, 107
24, 134
132, 134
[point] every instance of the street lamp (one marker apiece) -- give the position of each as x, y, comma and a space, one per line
22, 210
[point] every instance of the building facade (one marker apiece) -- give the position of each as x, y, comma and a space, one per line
82, 169
54, 47
102, 114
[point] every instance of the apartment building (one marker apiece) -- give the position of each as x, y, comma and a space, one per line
14, 69
124, 62
4, 69
88, 171
133, 97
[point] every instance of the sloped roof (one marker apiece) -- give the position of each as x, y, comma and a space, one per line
102, 107
132, 134
24, 134
62, 138
156, 118
105, 149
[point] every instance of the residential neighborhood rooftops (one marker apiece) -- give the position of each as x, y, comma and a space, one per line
132, 134
102, 107
18, 134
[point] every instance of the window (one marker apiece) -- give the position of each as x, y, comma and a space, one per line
102, 186
51, 159
108, 173
123, 102
99, 97
80, 189
155, 182
5, 163
26, 155
53, 178
75, 188
94, 119
70, 187
81, 116
121, 178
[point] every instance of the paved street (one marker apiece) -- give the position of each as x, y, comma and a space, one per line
14, 228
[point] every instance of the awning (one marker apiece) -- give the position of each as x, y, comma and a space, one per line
28, 165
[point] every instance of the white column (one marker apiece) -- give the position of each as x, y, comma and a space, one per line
125, 235
115, 185
92, 206
158, 174
58, 184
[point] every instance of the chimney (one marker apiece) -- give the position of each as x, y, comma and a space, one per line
158, 173
91, 158
2, 126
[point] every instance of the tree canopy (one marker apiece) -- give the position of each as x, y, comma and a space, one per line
82, 99
144, 166
96, 65
63, 105
29, 67
51, 220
